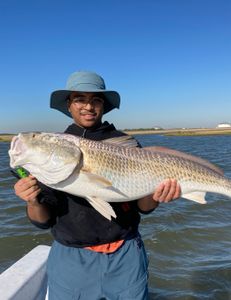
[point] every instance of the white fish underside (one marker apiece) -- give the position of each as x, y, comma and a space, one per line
112, 171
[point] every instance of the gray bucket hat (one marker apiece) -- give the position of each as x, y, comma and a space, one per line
84, 82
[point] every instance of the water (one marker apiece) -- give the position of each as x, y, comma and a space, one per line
189, 245
17, 235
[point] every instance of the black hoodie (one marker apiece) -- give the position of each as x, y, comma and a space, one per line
74, 221
100, 132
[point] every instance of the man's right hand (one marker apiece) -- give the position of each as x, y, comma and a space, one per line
28, 189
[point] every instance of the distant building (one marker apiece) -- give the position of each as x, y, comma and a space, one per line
224, 125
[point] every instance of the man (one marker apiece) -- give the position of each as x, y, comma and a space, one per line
91, 257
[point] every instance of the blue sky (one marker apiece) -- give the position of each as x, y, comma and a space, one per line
170, 60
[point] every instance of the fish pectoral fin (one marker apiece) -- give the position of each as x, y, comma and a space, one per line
103, 207
97, 179
102, 188
198, 197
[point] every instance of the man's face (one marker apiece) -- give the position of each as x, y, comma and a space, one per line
86, 108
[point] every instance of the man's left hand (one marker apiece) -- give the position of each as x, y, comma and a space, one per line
167, 191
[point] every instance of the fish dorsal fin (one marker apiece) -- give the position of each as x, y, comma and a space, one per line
198, 197
124, 141
193, 158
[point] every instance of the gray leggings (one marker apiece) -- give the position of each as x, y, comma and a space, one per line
76, 273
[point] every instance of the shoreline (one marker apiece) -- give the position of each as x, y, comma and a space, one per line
183, 132
166, 132
6, 137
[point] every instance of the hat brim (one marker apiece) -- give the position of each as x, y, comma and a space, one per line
58, 100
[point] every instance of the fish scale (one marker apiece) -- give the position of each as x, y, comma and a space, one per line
130, 164
107, 161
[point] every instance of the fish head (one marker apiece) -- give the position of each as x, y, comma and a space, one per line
50, 157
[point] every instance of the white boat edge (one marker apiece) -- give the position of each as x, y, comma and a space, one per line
26, 279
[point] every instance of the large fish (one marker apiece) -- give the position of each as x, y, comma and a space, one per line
112, 170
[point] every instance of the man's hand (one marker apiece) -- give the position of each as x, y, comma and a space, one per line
27, 189
167, 191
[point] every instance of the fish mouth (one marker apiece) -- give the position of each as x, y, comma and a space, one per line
17, 148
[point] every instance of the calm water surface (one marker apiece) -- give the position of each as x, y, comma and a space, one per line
189, 245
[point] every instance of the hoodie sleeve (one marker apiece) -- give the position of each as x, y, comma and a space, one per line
49, 197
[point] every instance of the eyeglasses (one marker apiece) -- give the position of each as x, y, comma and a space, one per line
81, 101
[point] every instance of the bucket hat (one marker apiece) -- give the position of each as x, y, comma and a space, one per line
84, 82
